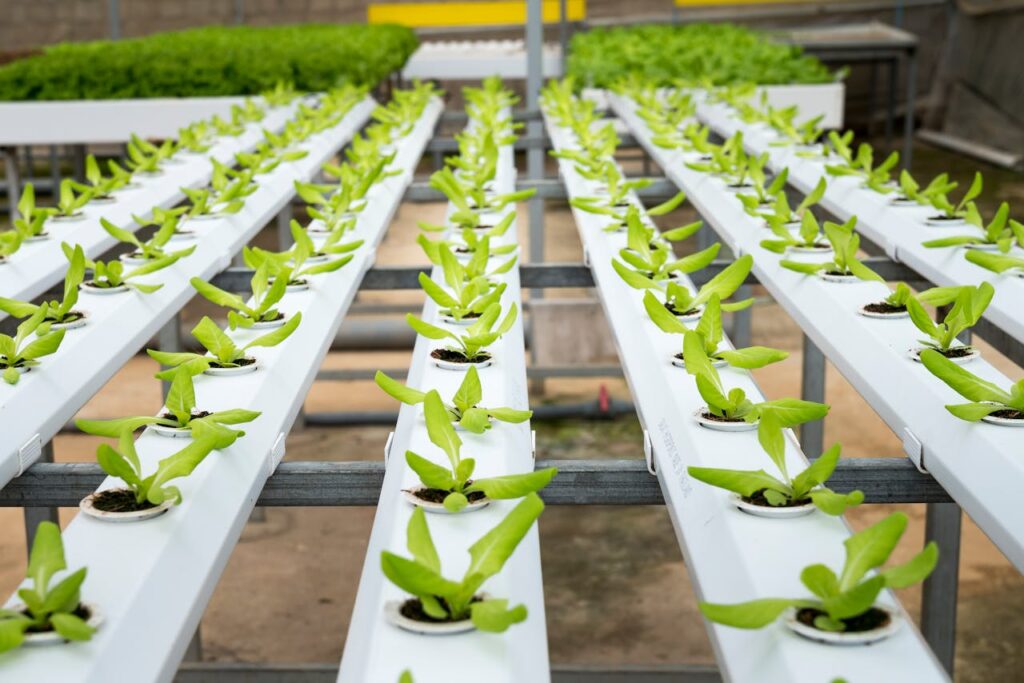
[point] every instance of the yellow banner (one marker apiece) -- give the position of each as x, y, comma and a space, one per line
439, 14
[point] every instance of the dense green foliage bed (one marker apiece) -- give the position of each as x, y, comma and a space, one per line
721, 53
210, 61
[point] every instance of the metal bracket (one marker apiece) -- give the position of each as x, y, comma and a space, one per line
275, 454
893, 252
387, 447
29, 452
914, 449
649, 453
586, 257
533, 443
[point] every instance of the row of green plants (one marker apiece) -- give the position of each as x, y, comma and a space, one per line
471, 319
843, 602
707, 54
106, 183
148, 492
44, 326
941, 351
211, 61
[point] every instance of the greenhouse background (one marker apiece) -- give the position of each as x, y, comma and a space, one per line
554, 340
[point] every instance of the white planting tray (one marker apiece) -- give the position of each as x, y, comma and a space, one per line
152, 579
38, 266
731, 556
899, 230
979, 464
376, 650
33, 410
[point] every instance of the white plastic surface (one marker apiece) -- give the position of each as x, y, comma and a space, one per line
899, 230
38, 266
99, 121
979, 464
731, 556
376, 649
153, 579
120, 324
477, 59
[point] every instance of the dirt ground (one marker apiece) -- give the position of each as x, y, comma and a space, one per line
616, 588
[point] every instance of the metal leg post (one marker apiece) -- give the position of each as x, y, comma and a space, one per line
939, 594
812, 388
194, 651
908, 121
10, 156
284, 231
35, 515
535, 155
169, 339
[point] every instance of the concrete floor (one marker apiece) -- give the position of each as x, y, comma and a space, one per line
617, 591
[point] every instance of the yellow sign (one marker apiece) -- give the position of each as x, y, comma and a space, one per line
439, 14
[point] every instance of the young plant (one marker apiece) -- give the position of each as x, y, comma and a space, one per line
710, 331
619, 212
145, 157
222, 352
29, 224
911, 191
99, 186
997, 263
877, 178
150, 491
265, 297
33, 340
732, 405
445, 600
112, 274
469, 200
839, 600
471, 343
985, 397
968, 304
896, 302
679, 300
807, 238
1001, 232
470, 291
845, 244
282, 93
760, 488
70, 201
181, 413
56, 311
454, 485
764, 192
196, 138
152, 249
780, 214
223, 197
940, 200
47, 608
648, 264
10, 242
464, 410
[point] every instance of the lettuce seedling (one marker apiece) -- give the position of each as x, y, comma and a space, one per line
757, 485
469, 201
47, 608
99, 186
281, 94
265, 159
836, 145
780, 213
646, 264
985, 397
454, 483
805, 134
911, 191
196, 138
225, 128
710, 331
31, 218
249, 111
10, 242
968, 304
56, 311
222, 350
619, 211
1001, 231
70, 201
17, 356
839, 599
145, 157
877, 178
764, 192
733, 405
124, 464
808, 236
111, 274
474, 244
265, 297
470, 343
679, 300
997, 263
464, 410
940, 199
845, 245
470, 291
445, 600
152, 249
181, 413
224, 196
896, 302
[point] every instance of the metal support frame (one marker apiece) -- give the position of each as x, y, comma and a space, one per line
812, 388
939, 593
579, 482
34, 515
10, 157
284, 232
